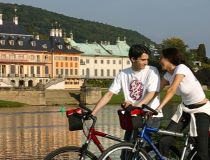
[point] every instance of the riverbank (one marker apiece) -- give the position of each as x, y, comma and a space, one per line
117, 99
5, 104
60, 97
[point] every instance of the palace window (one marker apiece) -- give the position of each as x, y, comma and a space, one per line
66, 72
38, 70
108, 61
95, 61
44, 46
57, 71
98, 50
2, 42
87, 61
12, 42
76, 71
12, 69
61, 71
102, 61
32, 69
71, 71
102, 72
108, 72
33, 43
120, 62
128, 62
60, 46
20, 43
46, 70
114, 72
96, 72
114, 61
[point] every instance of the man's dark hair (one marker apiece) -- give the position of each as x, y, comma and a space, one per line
137, 50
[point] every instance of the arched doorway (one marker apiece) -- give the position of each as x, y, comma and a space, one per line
30, 83
13, 82
21, 83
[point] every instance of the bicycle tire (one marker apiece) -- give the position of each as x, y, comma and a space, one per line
120, 146
70, 149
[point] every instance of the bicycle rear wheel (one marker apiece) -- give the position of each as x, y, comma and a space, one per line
69, 153
123, 151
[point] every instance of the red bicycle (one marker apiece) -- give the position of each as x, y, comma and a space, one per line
77, 117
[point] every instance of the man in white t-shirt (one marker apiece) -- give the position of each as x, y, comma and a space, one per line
140, 84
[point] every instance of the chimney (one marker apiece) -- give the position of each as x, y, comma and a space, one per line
60, 32
15, 18
125, 39
56, 32
1, 19
52, 31
71, 36
36, 36
118, 39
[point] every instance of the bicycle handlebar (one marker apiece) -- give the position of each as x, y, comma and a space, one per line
144, 106
150, 109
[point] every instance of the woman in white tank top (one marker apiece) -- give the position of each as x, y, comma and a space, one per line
194, 108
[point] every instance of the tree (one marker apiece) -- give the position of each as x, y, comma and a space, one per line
201, 53
181, 46
175, 42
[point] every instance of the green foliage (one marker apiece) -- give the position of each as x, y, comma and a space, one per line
181, 46
201, 53
10, 104
174, 42
39, 20
105, 83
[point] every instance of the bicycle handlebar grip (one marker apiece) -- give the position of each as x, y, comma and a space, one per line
150, 109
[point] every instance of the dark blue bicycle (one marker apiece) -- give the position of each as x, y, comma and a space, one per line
138, 151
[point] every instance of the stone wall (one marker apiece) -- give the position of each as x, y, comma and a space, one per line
28, 97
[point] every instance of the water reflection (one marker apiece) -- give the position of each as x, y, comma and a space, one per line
32, 132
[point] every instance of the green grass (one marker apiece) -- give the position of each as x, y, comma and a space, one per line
5, 104
117, 99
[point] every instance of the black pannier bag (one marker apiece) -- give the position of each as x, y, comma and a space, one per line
75, 119
132, 120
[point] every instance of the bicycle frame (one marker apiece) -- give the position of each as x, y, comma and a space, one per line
143, 134
93, 135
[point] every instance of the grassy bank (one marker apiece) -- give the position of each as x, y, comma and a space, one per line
4, 104
117, 99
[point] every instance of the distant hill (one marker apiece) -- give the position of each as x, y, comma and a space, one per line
40, 20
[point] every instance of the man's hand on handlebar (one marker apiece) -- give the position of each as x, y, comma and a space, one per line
126, 104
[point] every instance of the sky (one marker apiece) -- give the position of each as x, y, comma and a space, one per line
156, 19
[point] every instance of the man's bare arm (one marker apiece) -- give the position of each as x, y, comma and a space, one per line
102, 102
148, 98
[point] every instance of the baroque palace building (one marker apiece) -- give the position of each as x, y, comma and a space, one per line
57, 63
26, 61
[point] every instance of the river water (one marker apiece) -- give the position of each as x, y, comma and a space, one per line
29, 133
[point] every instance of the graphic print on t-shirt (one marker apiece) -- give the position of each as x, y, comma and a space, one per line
136, 90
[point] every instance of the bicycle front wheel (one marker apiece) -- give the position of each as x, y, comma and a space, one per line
123, 151
69, 153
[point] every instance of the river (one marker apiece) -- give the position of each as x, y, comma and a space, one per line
29, 133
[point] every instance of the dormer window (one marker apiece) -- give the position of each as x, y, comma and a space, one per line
44, 46
60, 46
20, 43
11, 42
33, 43
2, 42
68, 47
98, 50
